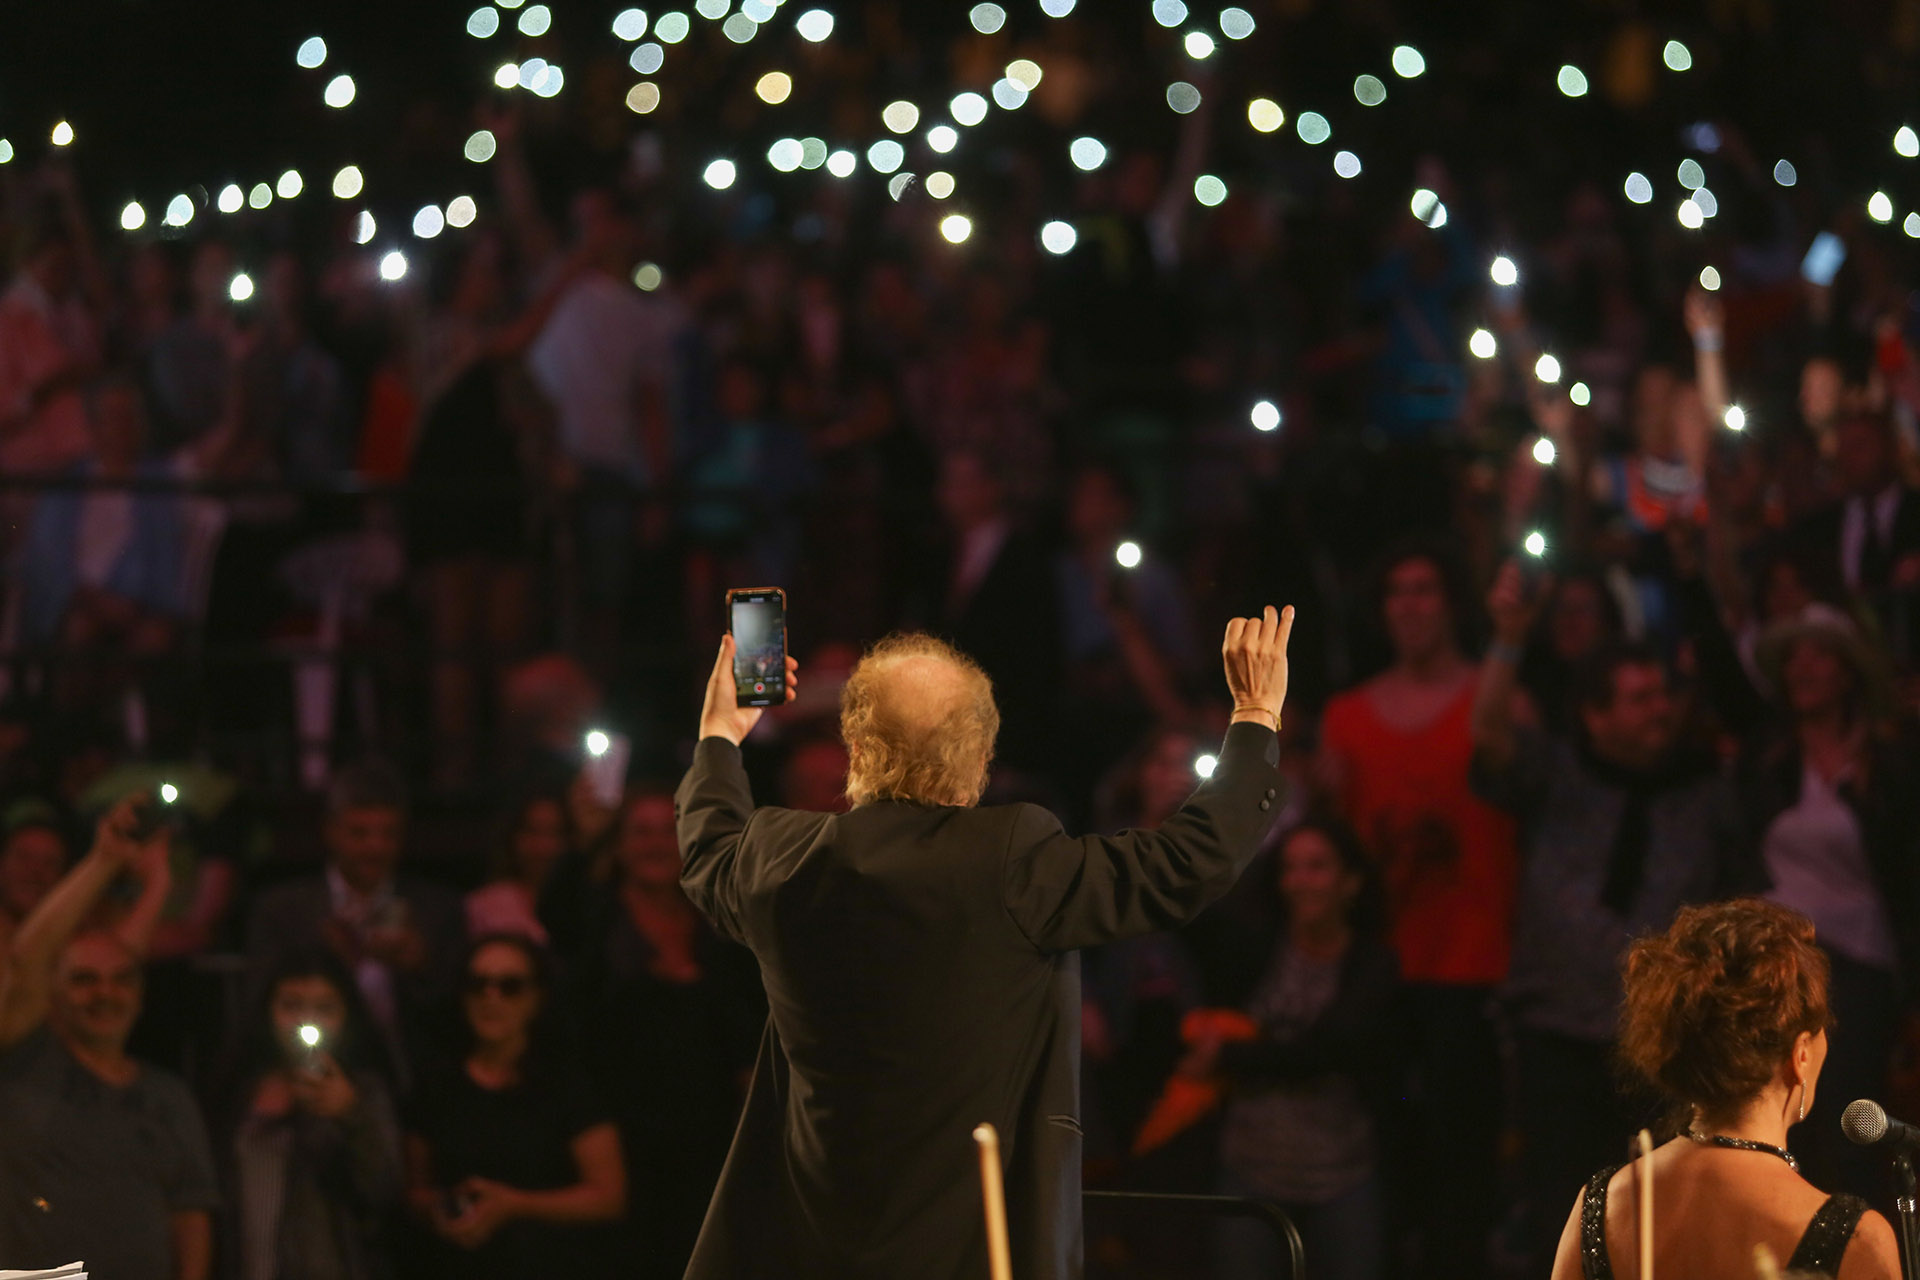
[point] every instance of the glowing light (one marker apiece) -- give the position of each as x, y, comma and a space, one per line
1880, 207
168, 793
339, 92
1087, 153
1482, 344
719, 174
1182, 97
1312, 128
1236, 23
62, 135
230, 199
260, 196
429, 222
987, 18
1127, 555
761, 11
1543, 452
1691, 175
673, 27
290, 185
1425, 204
955, 228
1911, 225
349, 182
1639, 188
898, 184
1547, 368
310, 1036
1169, 13
506, 75
1025, 72
940, 185
1708, 202
643, 97
900, 116
1690, 216
1503, 272
1058, 237
647, 277
786, 154
535, 20
1265, 415
968, 109
943, 138
1010, 94
1736, 418
774, 88
1572, 81
549, 82
630, 24
240, 288
1677, 56
1199, 45
393, 266
1536, 544
1369, 91
712, 9
813, 152
1265, 115
133, 217
1346, 164
483, 22
1209, 190
1056, 8
311, 53
179, 211
461, 211
1906, 142
1408, 62
1580, 394
841, 163
885, 156
363, 227
1204, 765
6, 151
740, 28
647, 58
814, 25
1784, 174
1710, 279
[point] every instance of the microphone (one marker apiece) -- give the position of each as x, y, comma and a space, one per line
1867, 1123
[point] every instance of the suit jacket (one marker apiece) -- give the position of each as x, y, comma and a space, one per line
1820, 539
920, 971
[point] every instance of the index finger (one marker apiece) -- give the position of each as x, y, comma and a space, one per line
1286, 627
1269, 625
725, 658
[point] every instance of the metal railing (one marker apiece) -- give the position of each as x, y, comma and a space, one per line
1265, 1212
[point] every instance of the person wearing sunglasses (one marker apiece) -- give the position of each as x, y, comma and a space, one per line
512, 1164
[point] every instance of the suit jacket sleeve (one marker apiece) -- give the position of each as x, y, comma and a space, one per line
1066, 893
712, 808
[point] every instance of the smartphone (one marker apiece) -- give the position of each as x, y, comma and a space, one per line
157, 811
1533, 559
606, 765
312, 1045
1823, 261
757, 617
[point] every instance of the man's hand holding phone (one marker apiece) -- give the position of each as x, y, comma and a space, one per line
720, 715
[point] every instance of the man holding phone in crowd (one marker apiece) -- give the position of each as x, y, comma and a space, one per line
919, 954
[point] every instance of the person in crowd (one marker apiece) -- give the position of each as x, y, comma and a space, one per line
51, 343
1307, 1089
1620, 828
539, 836
1829, 789
814, 774
1871, 535
677, 1014
1725, 1016
105, 1157
1578, 618
306, 1131
1395, 758
513, 1164
33, 856
916, 988
400, 936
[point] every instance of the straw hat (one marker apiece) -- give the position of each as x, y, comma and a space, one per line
1841, 635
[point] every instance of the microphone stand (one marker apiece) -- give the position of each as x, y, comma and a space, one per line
1905, 1211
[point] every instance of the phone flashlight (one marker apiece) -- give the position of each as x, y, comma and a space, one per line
1543, 451
597, 743
1204, 765
310, 1037
1736, 418
1535, 544
1127, 555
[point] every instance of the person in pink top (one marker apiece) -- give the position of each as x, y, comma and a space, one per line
1395, 752
49, 350
537, 838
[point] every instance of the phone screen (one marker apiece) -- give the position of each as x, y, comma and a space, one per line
1824, 258
758, 618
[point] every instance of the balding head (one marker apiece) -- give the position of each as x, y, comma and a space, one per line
96, 992
919, 722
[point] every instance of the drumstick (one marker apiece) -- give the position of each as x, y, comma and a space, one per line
1765, 1265
995, 1195
1646, 1205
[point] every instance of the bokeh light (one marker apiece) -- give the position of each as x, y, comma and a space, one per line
842, 163
1204, 764
1708, 202
1880, 207
429, 222
1058, 237
230, 198
480, 146
1710, 279
885, 156
363, 227
260, 196
1009, 94
1265, 115
1198, 45
643, 97
1639, 188
647, 58
1503, 272
549, 82
1346, 164
1535, 544
968, 109
1784, 173
311, 53
898, 185
349, 182
630, 24
1736, 418
774, 88
6, 151
813, 152
939, 185
132, 217
719, 174
943, 138
180, 211
339, 92
506, 75
1547, 368
955, 228
1543, 451
1313, 128
987, 18
814, 25
1408, 62
786, 154
1025, 72
1169, 13
1087, 153
673, 27
1426, 206
1677, 56
1127, 555
900, 117
483, 22
1056, 8
648, 276
740, 28
1209, 190
1691, 175
1906, 142
1572, 81
461, 211
62, 135
1265, 415
240, 288
290, 185
1580, 394
1689, 215
1482, 344
1911, 225
1369, 91
393, 266
1236, 23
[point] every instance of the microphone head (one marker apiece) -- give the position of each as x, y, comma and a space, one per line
1864, 1121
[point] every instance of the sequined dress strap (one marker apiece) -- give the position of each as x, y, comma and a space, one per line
1826, 1238
1594, 1262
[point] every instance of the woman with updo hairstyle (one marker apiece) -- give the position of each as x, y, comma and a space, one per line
1725, 1016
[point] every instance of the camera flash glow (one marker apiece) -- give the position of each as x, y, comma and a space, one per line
1127, 555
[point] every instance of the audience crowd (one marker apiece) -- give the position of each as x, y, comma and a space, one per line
379, 978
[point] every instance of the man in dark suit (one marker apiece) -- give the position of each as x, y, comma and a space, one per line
402, 938
1870, 538
919, 959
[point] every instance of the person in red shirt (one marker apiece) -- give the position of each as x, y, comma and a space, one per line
1395, 752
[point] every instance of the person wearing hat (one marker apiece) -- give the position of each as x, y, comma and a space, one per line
1829, 789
